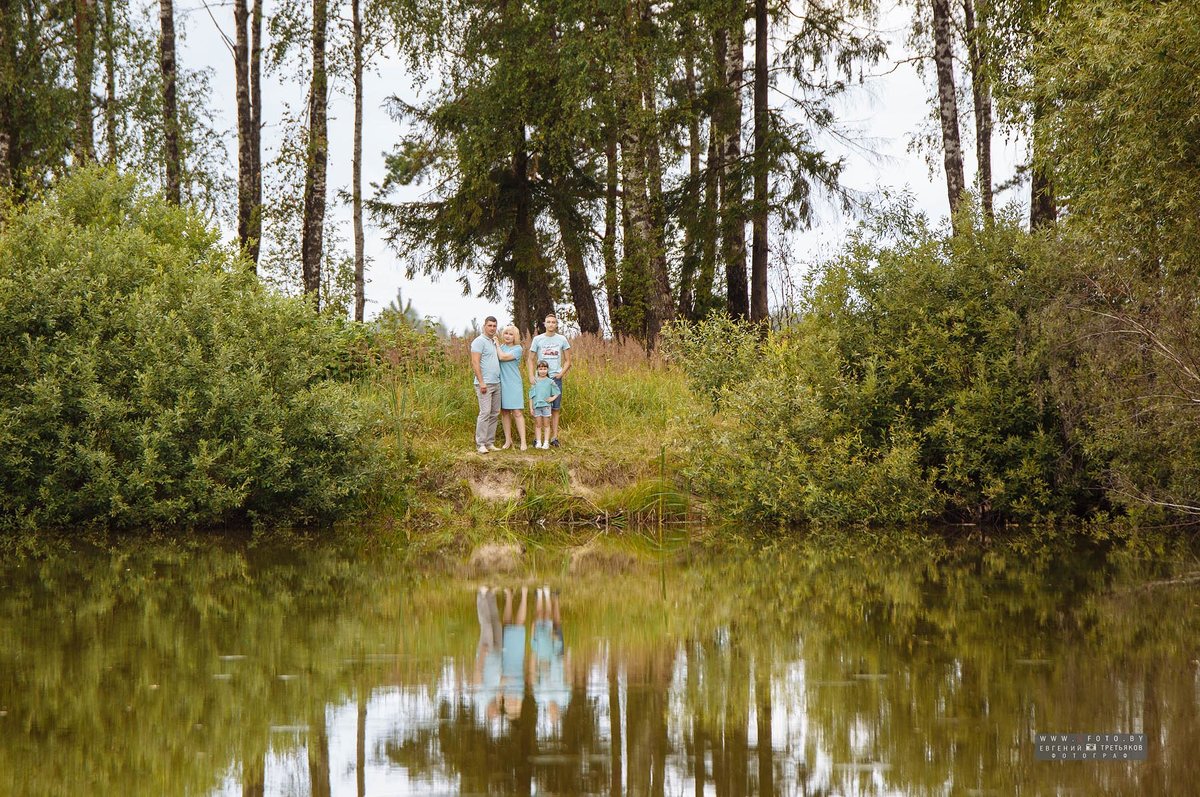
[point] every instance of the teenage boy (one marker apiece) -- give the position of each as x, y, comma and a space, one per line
555, 351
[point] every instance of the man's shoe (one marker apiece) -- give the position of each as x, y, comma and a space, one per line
482, 449
554, 442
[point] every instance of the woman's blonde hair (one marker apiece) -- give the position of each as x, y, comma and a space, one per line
516, 334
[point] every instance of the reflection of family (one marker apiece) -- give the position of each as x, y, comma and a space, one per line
502, 668
496, 361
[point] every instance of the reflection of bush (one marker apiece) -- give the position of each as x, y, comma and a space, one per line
146, 379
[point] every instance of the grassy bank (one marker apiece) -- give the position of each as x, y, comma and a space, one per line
618, 466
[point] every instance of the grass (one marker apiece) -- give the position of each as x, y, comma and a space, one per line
616, 467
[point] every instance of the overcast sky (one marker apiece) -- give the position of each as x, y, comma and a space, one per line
887, 111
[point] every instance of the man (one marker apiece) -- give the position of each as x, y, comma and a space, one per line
555, 350
485, 362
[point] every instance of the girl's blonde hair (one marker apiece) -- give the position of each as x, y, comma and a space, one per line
516, 334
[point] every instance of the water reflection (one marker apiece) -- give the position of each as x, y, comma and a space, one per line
829, 666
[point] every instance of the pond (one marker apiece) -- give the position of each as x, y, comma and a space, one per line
855, 664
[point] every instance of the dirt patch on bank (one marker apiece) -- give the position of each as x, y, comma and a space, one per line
495, 557
496, 485
594, 558
579, 485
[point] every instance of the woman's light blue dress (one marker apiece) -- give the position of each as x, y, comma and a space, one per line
512, 389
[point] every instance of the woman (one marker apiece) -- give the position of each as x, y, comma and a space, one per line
512, 388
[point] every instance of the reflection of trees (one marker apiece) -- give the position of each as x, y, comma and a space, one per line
460, 750
318, 755
112, 665
818, 667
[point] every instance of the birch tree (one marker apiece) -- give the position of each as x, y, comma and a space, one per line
943, 58
170, 110
316, 159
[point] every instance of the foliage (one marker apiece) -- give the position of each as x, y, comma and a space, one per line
1129, 84
1127, 318
717, 351
36, 101
519, 146
913, 386
137, 114
147, 380
38, 97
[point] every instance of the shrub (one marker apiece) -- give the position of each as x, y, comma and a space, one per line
1128, 321
911, 386
147, 380
717, 351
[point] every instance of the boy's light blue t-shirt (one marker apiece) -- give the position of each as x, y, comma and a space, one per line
489, 361
550, 348
543, 392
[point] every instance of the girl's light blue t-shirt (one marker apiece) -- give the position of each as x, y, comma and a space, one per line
542, 392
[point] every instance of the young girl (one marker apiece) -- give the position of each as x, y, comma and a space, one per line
541, 395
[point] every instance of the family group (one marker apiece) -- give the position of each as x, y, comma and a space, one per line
505, 673
496, 360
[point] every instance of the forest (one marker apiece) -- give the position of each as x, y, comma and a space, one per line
182, 332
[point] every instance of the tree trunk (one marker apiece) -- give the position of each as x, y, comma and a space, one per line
981, 93
531, 289
7, 81
712, 194
360, 759
762, 699
245, 121
636, 287
166, 19
615, 785
609, 249
312, 244
663, 302
522, 308
1042, 209
85, 72
318, 756
254, 231
758, 265
733, 196
947, 103
691, 221
110, 82
582, 295
360, 258
632, 298
254, 775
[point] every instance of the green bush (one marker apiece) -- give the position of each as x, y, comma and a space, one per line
147, 380
717, 351
1128, 319
911, 387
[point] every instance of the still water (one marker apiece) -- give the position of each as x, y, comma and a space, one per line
852, 665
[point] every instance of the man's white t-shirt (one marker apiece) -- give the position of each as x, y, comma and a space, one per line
550, 348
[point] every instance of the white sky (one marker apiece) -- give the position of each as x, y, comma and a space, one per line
888, 109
